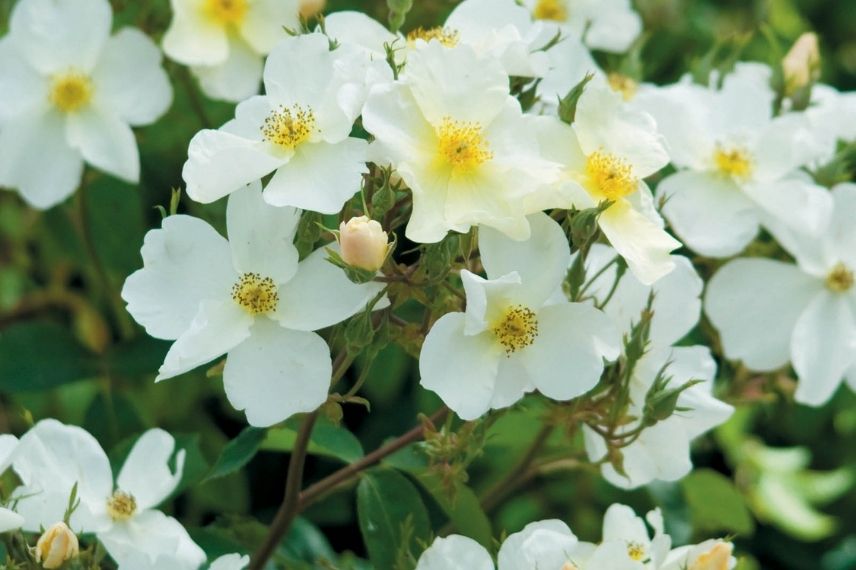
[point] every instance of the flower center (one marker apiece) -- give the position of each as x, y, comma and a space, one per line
121, 506
517, 329
636, 551
289, 127
551, 10
735, 162
256, 294
226, 12
840, 279
446, 36
622, 84
462, 144
609, 176
70, 91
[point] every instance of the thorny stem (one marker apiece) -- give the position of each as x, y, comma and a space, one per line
289, 508
295, 501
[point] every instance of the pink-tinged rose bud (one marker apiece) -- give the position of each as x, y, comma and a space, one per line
309, 8
364, 243
718, 557
801, 65
57, 545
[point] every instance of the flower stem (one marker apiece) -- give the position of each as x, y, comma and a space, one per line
289, 508
496, 494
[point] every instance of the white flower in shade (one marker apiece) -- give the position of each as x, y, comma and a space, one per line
831, 118
677, 296
622, 526
769, 312
139, 561
249, 298
467, 160
544, 544
606, 154
225, 41
709, 555
71, 92
299, 131
569, 61
230, 562
736, 162
501, 29
9, 520
52, 458
513, 338
608, 25
662, 451
498, 29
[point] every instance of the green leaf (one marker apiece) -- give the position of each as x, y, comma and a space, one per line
138, 357
716, 504
115, 217
460, 503
393, 519
237, 453
328, 440
38, 355
112, 418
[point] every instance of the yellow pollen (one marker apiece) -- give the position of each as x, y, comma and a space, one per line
226, 12
289, 127
609, 176
446, 36
256, 294
70, 92
734, 162
517, 329
462, 145
121, 506
840, 279
636, 551
623, 84
551, 10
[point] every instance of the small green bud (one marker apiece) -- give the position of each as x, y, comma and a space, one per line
568, 103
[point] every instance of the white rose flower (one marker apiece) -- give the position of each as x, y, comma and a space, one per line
249, 298
662, 451
608, 25
9, 520
225, 41
71, 92
771, 312
606, 154
299, 131
543, 544
622, 526
468, 160
736, 162
52, 458
513, 337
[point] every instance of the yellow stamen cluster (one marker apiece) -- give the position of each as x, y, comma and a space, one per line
735, 162
517, 329
256, 294
551, 10
609, 177
636, 551
121, 506
622, 84
462, 145
70, 92
226, 12
840, 279
446, 36
289, 127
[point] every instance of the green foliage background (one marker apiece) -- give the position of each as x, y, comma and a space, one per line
69, 350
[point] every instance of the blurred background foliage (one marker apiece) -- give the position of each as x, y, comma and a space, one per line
778, 477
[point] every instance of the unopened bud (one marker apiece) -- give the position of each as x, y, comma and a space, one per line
716, 558
801, 65
309, 8
364, 243
57, 545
